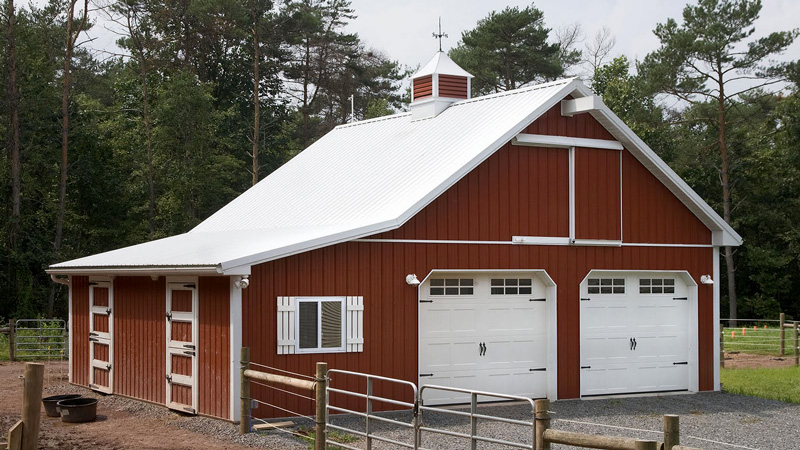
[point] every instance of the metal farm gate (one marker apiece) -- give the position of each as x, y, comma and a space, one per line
40, 339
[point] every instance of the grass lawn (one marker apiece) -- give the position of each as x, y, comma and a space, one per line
776, 384
761, 341
3, 347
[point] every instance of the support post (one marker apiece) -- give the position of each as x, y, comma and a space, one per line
244, 396
15, 436
542, 415
322, 406
32, 405
646, 445
782, 321
796, 349
12, 338
672, 433
722, 349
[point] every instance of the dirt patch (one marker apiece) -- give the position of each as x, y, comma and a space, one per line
121, 423
750, 361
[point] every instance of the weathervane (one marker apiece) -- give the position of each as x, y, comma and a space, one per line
440, 35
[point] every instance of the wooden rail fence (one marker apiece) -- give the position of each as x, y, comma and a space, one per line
11, 333
24, 435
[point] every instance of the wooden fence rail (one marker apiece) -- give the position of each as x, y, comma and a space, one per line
10, 331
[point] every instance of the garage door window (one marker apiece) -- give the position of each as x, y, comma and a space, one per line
512, 286
606, 285
656, 286
452, 286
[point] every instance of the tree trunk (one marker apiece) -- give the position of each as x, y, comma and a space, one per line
256, 97
726, 198
13, 100
148, 129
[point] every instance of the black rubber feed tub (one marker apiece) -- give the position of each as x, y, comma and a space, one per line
78, 410
50, 406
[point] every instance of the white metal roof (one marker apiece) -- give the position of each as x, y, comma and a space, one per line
368, 177
441, 64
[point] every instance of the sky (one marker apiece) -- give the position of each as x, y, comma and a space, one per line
402, 30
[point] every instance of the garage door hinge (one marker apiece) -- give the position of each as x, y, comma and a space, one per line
426, 301
190, 286
680, 298
537, 300
425, 375
586, 367
585, 299
681, 363
541, 369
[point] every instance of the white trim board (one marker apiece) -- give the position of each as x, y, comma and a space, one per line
539, 240
549, 141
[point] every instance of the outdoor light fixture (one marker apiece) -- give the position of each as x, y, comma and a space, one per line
706, 279
412, 279
242, 282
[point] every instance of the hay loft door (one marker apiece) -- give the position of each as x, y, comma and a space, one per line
182, 346
101, 336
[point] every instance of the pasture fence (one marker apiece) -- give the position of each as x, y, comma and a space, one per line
540, 435
771, 337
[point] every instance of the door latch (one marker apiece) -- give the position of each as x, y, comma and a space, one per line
108, 311
169, 316
108, 366
169, 378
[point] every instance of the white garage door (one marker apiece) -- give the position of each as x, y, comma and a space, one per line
483, 332
634, 333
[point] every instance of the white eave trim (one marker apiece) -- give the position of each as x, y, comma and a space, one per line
543, 140
581, 105
128, 270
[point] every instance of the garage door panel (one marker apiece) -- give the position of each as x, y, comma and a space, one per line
659, 324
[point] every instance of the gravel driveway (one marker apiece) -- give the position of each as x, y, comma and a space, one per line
745, 422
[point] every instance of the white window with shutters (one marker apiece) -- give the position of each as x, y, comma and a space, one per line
320, 324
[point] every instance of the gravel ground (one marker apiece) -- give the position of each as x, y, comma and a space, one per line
746, 422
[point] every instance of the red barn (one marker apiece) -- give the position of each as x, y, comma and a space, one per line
525, 242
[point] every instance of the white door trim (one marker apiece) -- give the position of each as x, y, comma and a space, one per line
102, 337
552, 331
691, 284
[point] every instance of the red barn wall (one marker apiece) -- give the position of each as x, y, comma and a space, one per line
140, 340
516, 191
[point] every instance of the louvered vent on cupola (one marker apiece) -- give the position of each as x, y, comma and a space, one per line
437, 85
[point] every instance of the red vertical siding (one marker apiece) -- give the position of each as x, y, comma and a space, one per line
140, 338
597, 194
79, 353
214, 346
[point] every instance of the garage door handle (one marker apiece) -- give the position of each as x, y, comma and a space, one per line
682, 363
634, 343
586, 367
631, 341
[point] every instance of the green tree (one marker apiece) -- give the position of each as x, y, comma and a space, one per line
701, 60
510, 49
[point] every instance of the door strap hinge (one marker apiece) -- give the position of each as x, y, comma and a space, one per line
680, 298
585, 299
108, 311
426, 301
168, 377
191, 285
425, 375
169, 316
108, 366
586, 367
188, 353
681, 363
191, 346
537, 299
92, 283
541, 369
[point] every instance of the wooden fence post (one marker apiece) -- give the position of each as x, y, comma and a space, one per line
12, 338
15, 436
796, 350
244, 396
783, 333
321, 391
672, 431
32, 405
542, 419
722, 349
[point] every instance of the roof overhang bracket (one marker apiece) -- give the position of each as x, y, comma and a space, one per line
581, 105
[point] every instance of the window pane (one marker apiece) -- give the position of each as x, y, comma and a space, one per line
619, 282
669, 282
466, 291
497, 282
605, 281
594, 290
451, 282
605, 290
644, 282
331, 324
511, 281
466, 281
511, 290
437, 291
437, 282
656, 289
497, 290
451, 291
669, 290
525, 282
619, 290
308, 324
657, 281
525, 290
594, 282
644, 290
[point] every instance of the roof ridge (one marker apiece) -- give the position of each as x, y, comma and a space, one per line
374, 119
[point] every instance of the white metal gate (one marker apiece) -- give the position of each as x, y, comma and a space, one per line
101, 336
182, 306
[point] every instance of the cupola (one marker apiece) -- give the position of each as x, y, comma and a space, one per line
437, 85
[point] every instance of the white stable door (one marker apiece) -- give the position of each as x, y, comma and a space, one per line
101, 336
634, 333
471, 338
182, 304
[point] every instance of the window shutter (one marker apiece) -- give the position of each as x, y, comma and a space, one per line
355, 324
286, 331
